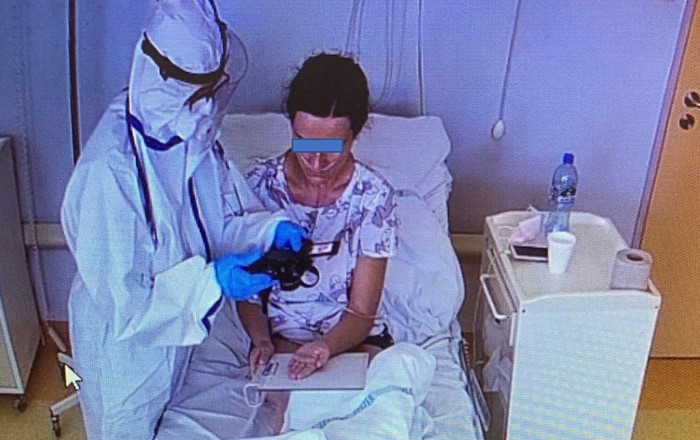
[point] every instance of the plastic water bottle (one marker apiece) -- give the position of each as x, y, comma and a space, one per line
562, 195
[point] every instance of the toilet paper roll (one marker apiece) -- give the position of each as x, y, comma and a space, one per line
631, 270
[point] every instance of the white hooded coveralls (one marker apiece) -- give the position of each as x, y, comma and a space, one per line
138, 305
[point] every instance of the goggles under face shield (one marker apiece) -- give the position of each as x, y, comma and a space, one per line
211, 82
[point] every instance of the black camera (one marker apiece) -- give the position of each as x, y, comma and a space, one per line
292, 269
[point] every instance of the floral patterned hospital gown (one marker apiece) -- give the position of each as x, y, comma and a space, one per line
362, 219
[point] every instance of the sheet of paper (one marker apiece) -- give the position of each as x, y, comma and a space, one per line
347, 371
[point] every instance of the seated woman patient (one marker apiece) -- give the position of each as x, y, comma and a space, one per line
337, 200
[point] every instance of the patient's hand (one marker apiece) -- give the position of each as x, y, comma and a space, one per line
261, 352
309, 358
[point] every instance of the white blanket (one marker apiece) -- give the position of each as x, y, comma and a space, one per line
425, 398
400, 379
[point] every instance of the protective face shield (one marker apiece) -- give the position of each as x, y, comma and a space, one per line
207, 129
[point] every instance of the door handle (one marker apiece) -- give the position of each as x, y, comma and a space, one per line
691, 100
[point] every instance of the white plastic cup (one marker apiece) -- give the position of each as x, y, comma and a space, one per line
560, 245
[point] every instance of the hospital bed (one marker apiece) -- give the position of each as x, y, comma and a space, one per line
424, 290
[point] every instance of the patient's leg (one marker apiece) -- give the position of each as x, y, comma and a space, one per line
373, 350
374, 344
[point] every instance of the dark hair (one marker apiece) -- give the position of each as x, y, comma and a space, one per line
330, 85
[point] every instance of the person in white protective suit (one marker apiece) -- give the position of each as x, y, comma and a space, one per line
161, 228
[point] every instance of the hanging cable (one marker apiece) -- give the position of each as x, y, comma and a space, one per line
421, 85
360, 13
498, 128
388, 54
351, 38
351, 27
401, 42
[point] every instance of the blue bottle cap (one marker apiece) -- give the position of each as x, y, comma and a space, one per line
568, 158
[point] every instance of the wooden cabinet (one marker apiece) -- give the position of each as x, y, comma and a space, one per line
19, 324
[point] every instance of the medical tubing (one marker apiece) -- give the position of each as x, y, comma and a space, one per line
359, 28
349, 309
23, 122
421, 85
254, 387
389, 53
402, 38
351, 27
249, 422
359, 314
342, 306
506, 75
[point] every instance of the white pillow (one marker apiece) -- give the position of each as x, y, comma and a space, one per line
409, 152
424, 287
248, 138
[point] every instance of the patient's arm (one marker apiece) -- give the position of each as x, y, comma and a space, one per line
365, 295
255, 323
353, 328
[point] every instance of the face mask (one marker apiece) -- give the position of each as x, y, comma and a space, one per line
208, 127
195, 120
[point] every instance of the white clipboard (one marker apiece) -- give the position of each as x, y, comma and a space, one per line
346, 371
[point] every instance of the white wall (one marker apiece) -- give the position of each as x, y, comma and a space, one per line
587, 76
278, 35
35, 110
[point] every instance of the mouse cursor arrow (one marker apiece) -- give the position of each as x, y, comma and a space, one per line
72, 377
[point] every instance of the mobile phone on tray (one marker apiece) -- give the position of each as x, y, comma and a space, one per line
529, 253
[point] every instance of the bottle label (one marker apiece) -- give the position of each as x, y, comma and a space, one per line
569, 191
566, 200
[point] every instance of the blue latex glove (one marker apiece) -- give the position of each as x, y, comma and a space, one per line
289, 236
236, 283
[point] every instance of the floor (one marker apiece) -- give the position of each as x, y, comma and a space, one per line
44, 389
